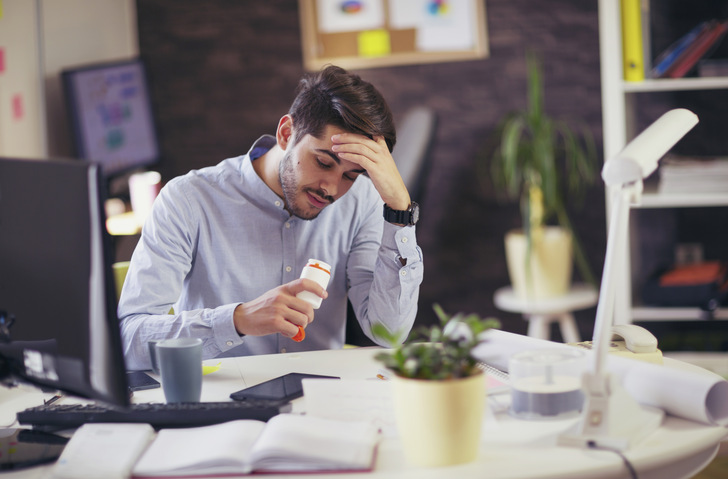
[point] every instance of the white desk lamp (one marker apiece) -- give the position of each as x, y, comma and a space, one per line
611, 417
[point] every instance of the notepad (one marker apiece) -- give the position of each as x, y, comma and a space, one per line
287, 443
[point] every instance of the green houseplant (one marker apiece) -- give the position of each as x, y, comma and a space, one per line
537, 160
438, 388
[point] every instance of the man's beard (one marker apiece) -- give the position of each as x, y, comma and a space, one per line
287, 176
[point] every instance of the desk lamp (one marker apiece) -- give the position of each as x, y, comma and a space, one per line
611, 417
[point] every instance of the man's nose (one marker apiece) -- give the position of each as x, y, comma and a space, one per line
331, 184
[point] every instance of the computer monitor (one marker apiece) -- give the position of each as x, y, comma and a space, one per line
111, 116
56, 281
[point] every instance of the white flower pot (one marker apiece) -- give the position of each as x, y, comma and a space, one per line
440, 422
551, 263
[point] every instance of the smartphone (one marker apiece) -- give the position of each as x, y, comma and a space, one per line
139, 380
283, 388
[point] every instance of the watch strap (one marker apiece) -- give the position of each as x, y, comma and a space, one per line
402, 217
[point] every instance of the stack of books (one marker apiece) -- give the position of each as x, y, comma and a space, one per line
680, 174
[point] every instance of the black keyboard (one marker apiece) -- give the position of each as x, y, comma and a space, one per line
54, 417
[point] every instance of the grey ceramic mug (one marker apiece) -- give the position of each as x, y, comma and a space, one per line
180, 365
152, 344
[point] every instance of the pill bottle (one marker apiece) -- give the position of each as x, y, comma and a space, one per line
320, 272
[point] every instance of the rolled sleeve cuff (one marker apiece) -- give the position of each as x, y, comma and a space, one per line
223, 327
403, 240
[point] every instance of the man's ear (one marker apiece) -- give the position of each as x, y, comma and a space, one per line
284, 133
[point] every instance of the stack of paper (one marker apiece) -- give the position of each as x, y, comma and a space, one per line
694, 175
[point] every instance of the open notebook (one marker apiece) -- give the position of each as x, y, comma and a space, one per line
288, 443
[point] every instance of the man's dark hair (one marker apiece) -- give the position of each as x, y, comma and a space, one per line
336, 97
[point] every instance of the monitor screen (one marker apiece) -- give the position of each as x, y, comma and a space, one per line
111, 116
56, 280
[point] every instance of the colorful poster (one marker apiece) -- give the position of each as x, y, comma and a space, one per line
349, 15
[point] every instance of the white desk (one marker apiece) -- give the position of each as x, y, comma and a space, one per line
679, 448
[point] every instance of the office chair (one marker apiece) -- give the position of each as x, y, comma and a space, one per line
120, 270
415, 135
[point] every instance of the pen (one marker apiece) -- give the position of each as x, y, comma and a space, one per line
52, 400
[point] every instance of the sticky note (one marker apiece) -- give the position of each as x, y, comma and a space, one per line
210, 369
2, 59
374, 43
17, 106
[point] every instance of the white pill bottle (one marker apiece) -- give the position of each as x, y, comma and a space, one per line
320, 272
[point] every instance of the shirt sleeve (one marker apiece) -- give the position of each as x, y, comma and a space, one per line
158, 267
382, 289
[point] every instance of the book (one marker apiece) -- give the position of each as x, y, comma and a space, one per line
646, 36
697, 50
287, 443
681, 174
632, 47
665, 59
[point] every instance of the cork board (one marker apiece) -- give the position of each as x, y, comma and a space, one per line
376, 33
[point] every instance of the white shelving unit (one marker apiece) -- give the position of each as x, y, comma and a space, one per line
618, 118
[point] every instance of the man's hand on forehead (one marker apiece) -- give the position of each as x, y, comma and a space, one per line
373, 155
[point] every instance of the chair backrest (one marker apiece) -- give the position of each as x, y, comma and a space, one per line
415, 133
120, 270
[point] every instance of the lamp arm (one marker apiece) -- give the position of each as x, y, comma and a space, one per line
616, 249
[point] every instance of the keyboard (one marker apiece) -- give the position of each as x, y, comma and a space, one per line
54, 417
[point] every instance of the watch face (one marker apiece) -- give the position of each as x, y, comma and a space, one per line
415, 213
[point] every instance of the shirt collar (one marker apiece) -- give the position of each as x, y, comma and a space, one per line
261, 146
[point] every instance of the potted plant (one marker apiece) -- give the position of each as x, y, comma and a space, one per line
537, 160
439, 389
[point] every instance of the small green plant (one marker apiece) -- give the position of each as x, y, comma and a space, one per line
438, 352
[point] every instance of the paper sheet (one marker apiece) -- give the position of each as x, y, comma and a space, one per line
364, 400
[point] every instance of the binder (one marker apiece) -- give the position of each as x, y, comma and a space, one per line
632, 47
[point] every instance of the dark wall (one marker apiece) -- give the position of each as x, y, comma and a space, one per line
223, 72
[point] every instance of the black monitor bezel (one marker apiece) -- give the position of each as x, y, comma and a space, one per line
114, 368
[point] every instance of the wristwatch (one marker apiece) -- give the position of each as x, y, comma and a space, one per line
402, 217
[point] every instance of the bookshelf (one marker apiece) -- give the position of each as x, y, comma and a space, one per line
676, 84
620, 100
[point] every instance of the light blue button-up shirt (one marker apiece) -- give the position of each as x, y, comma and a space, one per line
219, 236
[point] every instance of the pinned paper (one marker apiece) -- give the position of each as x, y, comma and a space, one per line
2, 59
349, 15
374, 43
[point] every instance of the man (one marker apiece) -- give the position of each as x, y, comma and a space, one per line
224, 246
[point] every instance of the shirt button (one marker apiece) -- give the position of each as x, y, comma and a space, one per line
288, 225
229, 343
403, 272
404, 240
283, 350
277, 203
288, 269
